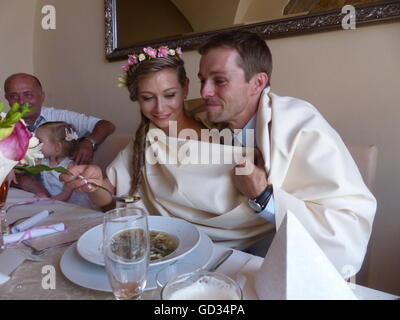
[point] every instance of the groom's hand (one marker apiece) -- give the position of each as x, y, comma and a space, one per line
254, 181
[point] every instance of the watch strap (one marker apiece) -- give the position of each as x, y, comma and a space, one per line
263, 198
93, 143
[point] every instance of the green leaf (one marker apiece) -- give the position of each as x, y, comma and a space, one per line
33, 170
13, 115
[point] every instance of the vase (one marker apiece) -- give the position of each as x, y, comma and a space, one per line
4, 192
3, 198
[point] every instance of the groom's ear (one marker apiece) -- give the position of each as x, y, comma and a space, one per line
258, 82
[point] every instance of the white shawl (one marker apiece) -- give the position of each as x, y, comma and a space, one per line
311, 170
315, 177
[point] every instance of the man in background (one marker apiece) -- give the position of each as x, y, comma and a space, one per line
25, 88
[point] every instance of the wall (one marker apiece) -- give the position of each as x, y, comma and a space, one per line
71, 63
351, 76
16, 38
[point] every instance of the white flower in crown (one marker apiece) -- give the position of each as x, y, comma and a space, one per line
171, 52
142, 57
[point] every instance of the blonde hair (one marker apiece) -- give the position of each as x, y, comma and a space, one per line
57, 130
134, 75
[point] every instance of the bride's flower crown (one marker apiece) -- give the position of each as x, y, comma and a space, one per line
148, 53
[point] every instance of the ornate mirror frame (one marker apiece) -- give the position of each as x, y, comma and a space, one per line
384, 11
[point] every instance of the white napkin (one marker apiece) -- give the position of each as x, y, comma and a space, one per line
33, 233
10, 259
35, 219
296, 268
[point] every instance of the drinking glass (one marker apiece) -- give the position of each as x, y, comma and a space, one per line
3, 224
4, 192
126, 247
202, 285
174, 270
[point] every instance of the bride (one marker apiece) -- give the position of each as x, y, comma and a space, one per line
181, 187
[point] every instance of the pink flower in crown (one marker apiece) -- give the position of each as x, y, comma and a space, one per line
162, 52
152, 53
132, 60
179, 51
125, 67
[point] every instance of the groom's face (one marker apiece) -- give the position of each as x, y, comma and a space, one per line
223, 86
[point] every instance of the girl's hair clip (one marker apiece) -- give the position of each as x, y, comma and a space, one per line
70, 134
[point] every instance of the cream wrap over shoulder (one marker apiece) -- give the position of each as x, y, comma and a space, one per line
310, 168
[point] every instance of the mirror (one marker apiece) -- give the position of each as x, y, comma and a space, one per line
133, 24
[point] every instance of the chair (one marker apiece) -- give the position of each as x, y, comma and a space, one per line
366, 159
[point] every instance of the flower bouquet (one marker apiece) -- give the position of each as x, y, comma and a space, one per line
19, 148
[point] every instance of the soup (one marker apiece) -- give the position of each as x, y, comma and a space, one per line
162, 245
127, 244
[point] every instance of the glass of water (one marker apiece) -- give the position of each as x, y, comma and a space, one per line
174, 270
201, 285
126, 247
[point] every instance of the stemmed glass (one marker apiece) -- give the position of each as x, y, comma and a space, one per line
126, 247
3, 198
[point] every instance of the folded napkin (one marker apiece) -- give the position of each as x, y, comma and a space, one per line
296, 268
35, 219
33, 233
10, 259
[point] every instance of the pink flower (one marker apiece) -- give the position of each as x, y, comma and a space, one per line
132, 60
162, 52
152, 53
125, 67
179, 51
14, 147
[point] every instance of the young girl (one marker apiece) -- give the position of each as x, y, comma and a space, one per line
59, 142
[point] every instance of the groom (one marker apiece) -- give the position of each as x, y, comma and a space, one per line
303, 165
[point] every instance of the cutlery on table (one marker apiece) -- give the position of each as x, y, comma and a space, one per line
23, 203
37, 252
221, 260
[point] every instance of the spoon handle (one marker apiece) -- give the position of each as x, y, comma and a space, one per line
221, 260
126, 199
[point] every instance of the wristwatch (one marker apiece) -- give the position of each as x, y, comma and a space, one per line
258, 204
94, 144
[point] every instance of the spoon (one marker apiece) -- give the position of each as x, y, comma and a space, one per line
125, 198
221, 260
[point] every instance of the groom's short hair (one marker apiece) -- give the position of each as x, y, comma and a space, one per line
253, 50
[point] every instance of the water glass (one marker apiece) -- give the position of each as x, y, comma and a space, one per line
174, 270
126, 247
202, 285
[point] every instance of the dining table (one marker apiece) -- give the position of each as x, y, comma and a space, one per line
29, 279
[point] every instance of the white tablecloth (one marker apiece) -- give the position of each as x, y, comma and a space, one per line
26, 280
